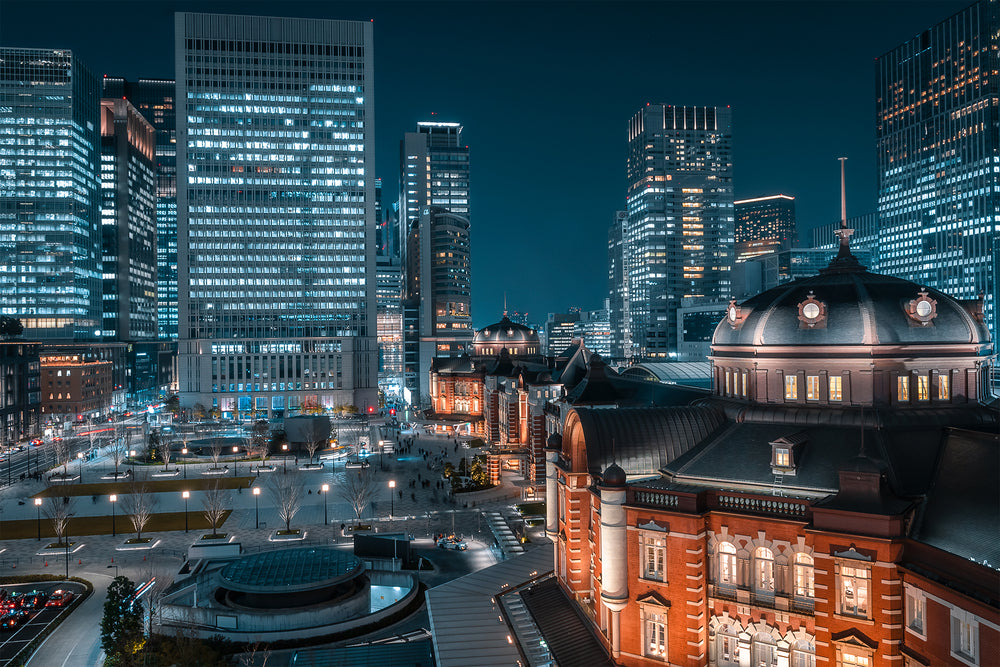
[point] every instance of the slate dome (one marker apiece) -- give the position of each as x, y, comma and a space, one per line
505, 335
850, 306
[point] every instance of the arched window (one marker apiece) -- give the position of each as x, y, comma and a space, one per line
803, 576
763, 650
803, 653
763, 562
727, 647
727, 565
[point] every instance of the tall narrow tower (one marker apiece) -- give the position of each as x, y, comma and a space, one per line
276, 214
436, 244
678, 241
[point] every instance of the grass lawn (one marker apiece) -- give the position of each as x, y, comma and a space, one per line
101, 525
152, 485
530, 509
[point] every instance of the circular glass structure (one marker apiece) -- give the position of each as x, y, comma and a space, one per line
293, 578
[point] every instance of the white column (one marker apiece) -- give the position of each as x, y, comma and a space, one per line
551, 491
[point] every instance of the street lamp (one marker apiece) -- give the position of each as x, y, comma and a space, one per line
325, 489
38, 516
235, 452
392, 485
131, 454
381, 448
284, 457
185, 495
79, 457
256, 505
184, 452
113, 498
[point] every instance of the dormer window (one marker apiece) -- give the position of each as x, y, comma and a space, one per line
786, 452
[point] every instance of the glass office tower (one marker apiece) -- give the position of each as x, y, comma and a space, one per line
276, 298
49, 195
764, 226
128, 222
938, 160
678, 240
154, 98
435, 224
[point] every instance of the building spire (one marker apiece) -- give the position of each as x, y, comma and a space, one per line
505, 304
844, 261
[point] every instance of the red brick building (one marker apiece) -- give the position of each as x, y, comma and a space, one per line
831, 501
75, 386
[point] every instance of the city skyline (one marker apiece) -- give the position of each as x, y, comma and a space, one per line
798, 76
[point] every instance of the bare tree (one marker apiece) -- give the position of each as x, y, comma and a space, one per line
216, 502
62, 453
58, 510
312, 446
260, 444
118, 448
138, 504
358, 489
216, 452
163, 447
254, 651
287, 491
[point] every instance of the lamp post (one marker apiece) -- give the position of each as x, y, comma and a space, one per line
113, 498
284, 457
381, 448
184, 452
131, 454
325, 489
235, 452
185, 495
79, 457
256, 504
38, 516
392, 486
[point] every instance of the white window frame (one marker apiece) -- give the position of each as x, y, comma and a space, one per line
791, 387
654, 632
915, 612
733, 576
756, 646
763, 570
850, 575
850, 656
965, 636
727, 640
803, 577
944, 387
653, 549
812, 387
836, 393
803, 656
782, 457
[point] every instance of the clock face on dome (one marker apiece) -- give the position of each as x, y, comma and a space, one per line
924, 308
732, 313
810, 310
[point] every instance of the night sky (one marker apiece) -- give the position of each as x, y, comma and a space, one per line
545, 91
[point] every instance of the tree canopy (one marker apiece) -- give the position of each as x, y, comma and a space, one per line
121, 626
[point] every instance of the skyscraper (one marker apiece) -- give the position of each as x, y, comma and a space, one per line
154, 98
678, 240
276, 214
938, 174
50, 273
128, 223
764, 226
436, 244
617, 294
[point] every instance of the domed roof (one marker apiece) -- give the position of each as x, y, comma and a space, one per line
504, 332
613, 476
847, 305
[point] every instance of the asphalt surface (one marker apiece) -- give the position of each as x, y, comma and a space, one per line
12, 641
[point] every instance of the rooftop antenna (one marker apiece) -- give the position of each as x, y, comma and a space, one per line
505, 304
844, 233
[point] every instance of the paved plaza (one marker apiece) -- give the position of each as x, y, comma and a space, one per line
418, 507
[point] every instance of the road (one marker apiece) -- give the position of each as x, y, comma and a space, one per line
12, 642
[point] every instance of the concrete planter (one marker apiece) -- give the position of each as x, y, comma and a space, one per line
138, 546
297, 537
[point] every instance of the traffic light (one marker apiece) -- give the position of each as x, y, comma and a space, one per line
392, 411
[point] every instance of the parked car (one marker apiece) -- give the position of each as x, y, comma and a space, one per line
12, 619
452, 542
34, 600
59, 598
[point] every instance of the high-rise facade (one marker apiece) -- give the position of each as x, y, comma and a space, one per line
617, 294
865, 236
435, 226
154, 99
128, 223
389, 288
678, 240
764, 226
50, 240
276, 214
938, 152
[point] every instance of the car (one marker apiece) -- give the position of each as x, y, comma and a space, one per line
59, 598
34, 600
36, 442
12, 619
452, 542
